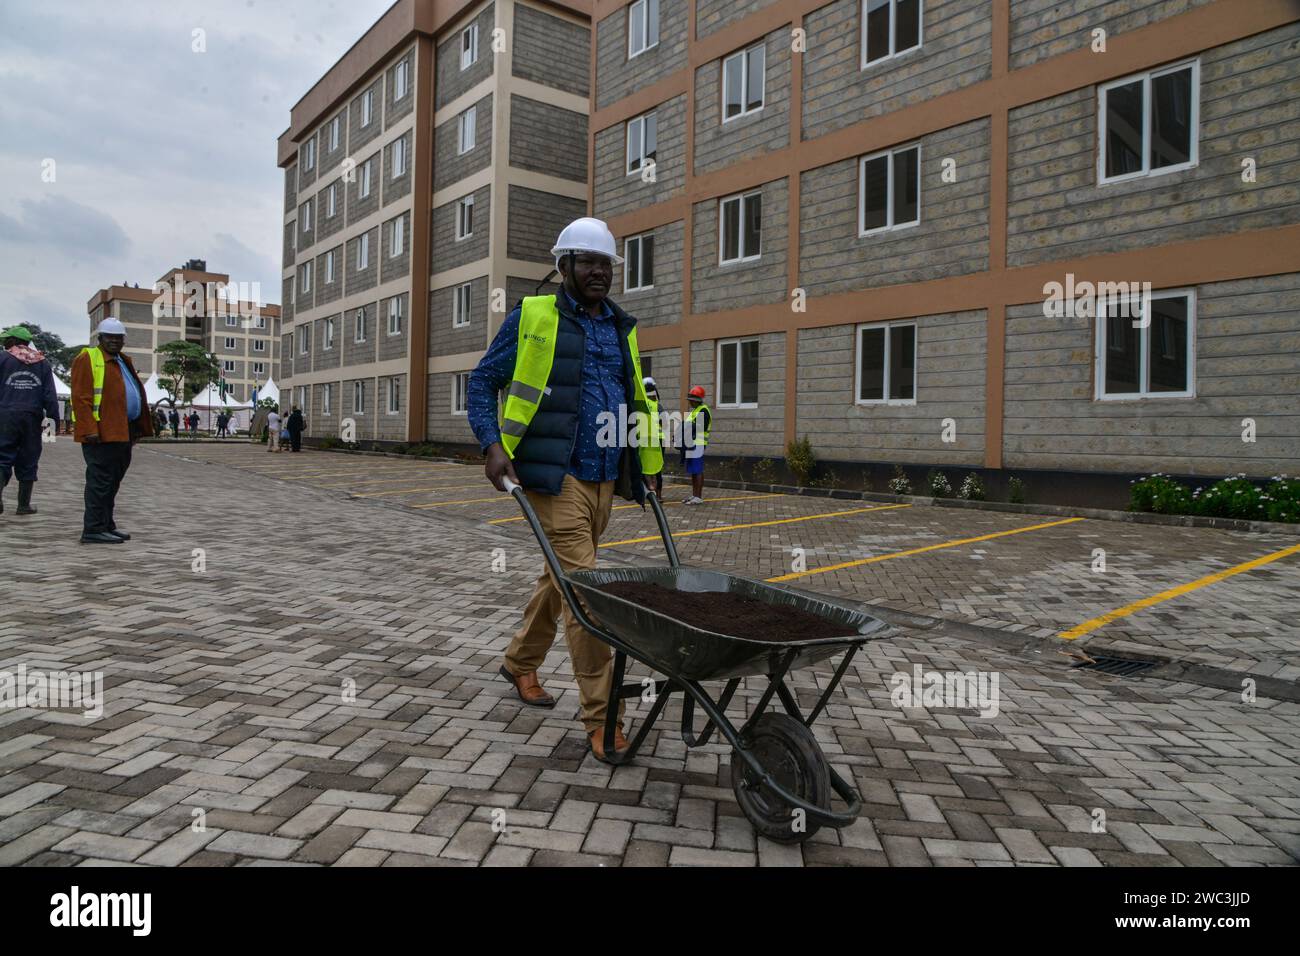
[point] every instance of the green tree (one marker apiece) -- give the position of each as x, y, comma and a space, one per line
189, 367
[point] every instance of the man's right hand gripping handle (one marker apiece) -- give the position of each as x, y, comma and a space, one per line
499, 466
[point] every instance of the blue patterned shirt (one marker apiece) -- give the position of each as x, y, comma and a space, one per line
602, 389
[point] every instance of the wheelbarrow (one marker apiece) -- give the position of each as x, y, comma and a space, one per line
781, 778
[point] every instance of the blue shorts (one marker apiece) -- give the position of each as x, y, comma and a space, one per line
695, 466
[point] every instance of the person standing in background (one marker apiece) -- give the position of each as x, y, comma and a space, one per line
27, 398
273, 431
296, 427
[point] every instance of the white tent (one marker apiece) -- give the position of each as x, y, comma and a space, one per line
269, 390
210, 403
62, 388
153, 392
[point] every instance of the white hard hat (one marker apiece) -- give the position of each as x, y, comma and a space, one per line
586, 235
111, 327
649, 383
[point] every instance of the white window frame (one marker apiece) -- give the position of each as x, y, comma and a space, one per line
367, 107
228, 366
261, 322
309, 154
231, 320
642, 160
639, 239
744, 80
395, 315
890, 225
893, 53
359, 331
229, 344
397, 237
358, 397
1147, 77
463, 205
302, 397
741, 198
738, 343
399, 157
393, 396
466, 130
886, 383
304, 345
363, 251
331, 201
304, 215
469, 51
304, 277
328, 335
1144, 345
364, 189
325, 397
329, 267
259, 345
460, 311
460, 393
335, 123
402, 79
259, 368
641, 9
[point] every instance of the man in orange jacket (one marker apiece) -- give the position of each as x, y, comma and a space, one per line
110, 415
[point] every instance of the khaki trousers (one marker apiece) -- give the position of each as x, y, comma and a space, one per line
573, 521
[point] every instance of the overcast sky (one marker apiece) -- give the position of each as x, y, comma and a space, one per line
161, 153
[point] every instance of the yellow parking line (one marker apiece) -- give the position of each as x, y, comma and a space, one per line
928, 547
411, 491
666, 504
757, 524
1088, 627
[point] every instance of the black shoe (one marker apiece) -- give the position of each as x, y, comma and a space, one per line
25, 498
119, 534
101, 537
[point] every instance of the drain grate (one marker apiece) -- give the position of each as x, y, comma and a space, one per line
1119, 666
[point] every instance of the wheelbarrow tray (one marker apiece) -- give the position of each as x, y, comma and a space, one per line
685, 652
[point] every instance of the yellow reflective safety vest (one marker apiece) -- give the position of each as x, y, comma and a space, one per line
701, 436
539, 327
97, 378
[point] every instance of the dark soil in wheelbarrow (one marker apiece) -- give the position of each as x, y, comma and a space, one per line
724, 612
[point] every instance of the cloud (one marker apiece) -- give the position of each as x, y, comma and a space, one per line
67, 225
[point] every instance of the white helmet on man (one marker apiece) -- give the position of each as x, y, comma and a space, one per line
586, 235
111, 327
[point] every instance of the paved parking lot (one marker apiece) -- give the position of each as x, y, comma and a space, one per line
260, 588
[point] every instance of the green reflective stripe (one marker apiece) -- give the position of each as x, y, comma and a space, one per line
97, 379
525, 391
514, 429
651, 455
539, 325
701, 435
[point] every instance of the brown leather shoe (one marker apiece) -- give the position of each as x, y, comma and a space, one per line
597, 740
529, 688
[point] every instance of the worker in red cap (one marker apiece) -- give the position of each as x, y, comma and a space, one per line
695, 436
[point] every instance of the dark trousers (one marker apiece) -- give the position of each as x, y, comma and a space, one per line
295, 440
20, 444
106, 465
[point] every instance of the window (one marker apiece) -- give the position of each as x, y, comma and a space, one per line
889, 187
231, 320
363, 251
304, 275
742, 82
302, 397
259, 368
300, 333
358, 398
394, 396
1148, 123
305, 216
465, 218
469, 46
460, 307
889, 27
329, 267
365, 178
329, 334
398, 237
467, 129
741, 228
738, 374
1151, 362
230, 343
399, 157
331, 201
401, 79
639, 263
326, 398
367, 107
642, 26
360, 334
395, 316
227, 366
887, 364
309, 154
335, 124
261, 322
259, 345
460, 394
642, 136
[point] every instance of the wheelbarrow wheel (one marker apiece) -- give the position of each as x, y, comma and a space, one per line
787, 750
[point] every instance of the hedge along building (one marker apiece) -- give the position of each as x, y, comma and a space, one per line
857, 210
426, 176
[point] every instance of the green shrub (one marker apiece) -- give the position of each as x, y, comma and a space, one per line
1016, 491
765, 471
1282, 499
800, 460
331, 442
1236, 497
972, 489
900, 484
937, 482
1160, 494
738, 466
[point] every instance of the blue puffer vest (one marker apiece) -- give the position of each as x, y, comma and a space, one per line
544, 454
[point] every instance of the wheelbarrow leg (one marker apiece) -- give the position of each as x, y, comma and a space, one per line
618, 691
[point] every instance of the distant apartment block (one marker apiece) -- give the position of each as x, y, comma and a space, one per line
427, 174
191, 303
844, 219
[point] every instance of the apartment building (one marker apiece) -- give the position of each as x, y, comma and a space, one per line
190, 302
427, 174
881, 224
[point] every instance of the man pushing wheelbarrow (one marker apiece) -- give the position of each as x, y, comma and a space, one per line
568, 364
